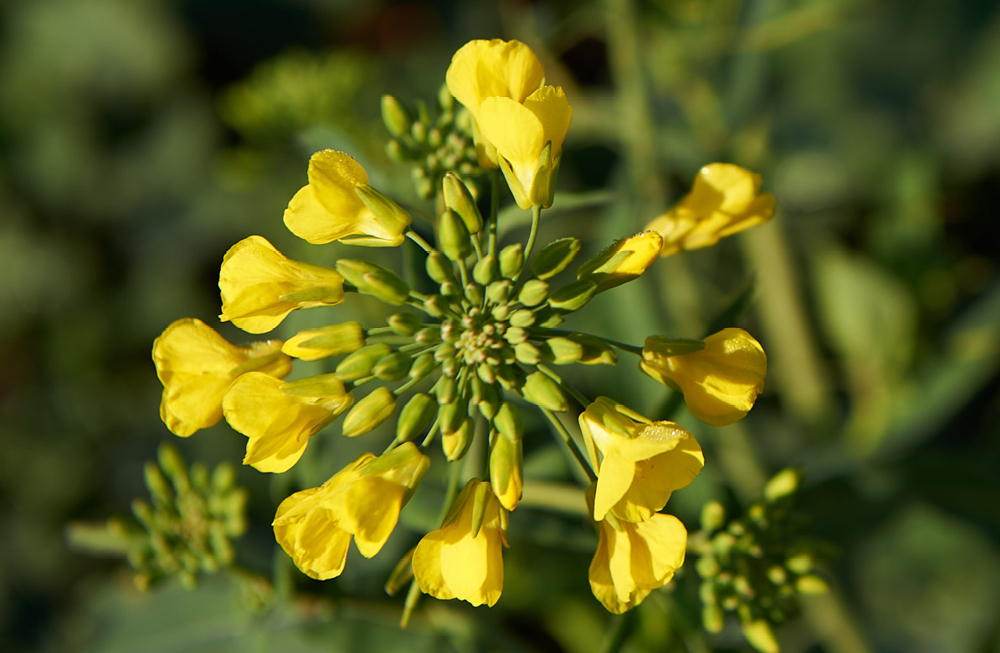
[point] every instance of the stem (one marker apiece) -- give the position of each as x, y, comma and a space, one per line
536, 213
494, 210
570, 443
573, 392
415, 237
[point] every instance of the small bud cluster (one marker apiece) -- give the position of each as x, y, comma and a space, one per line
435, 145
189, 523
756, 566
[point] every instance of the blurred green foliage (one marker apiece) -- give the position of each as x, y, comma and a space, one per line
139, 140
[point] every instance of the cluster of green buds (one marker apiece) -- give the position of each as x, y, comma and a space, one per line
187, 528
435, 145
758, 565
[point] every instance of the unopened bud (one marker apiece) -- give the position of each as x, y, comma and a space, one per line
564, 350
508, 422
373, 279
534, 292
439, 268
783, 484
453, 236
395, 116
458, 198
573, 296
390, 216
446, 390
415, 417
511, 260
474, 293
713, 516
404, 324
369, 412
486, 270
333, 340
505, 470
422, 365
451, 415
361, 362
498, 292
542, 391
456, 443
555, 257
393, 367
522, 317
527, 353
812, 584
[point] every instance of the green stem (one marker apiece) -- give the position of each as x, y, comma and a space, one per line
573, 392
418, 239
570, 443
494, 209
536, 214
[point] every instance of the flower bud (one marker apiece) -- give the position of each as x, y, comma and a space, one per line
564, 350
713, 516
474, 293
393, 367
542, 391
511, 260
453, 236
625, 260
373, 279
455, 444
446, 390
505, 470
488, 400
555, 257
522, 317
416, 417
516, 335
458, 198
422, 365
528, 353
332, 340
439, 268
360, 363
486, 270
369, 412
595, 350
498, 292
534, 292
404, 324
783, 484
508, 422
395, 116
388, 215
451, 415
573, 296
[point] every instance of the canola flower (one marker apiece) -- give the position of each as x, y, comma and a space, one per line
463, 361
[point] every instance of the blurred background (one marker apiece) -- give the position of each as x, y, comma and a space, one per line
140, 140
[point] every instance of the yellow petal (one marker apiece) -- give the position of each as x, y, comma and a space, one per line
260, 286
722, 187
518, 135
496, 68
550, 106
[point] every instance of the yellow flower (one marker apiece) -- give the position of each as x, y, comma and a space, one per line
482, 69
723, 201
260, 287
528, 137
338, 204
196, 367
280, 417
625, 260
634, 559
720, 382
463, 559
315, 526
642, 462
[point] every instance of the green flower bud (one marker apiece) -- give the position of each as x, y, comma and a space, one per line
474, 293
486, 270
508, 422
451, 415
453, 236
564, 350
436, 306
388, 214
439, 268
445, 99
528, 353
401, 574
498, 292
446, 389
172, 463
777, 575
456, 443
573, 296
500, 312
416, 417
422, 365
542, 391
516, 335
783, 484
801, 563
393, 367
548, 318
398, 152
418, 131
505, 470
712, 617
360, 363
812, 584
707, 566
368, 413
158, 486
760, 636
428, 334
485, 372
488, 400
534, 292
396, 117
450, 289
713, 516
555, 257
522, 317
510, 377
458, 198
404, 324
332, 340
511, 260
373, 279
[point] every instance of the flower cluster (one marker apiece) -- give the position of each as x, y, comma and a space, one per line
464, 361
